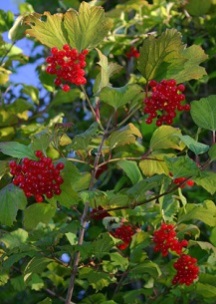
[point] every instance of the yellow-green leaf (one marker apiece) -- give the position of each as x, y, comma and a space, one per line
166, 137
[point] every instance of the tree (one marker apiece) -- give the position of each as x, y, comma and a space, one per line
108, 181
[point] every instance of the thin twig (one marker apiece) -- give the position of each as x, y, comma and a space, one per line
84, 220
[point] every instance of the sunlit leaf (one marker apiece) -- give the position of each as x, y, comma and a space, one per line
154, 164
107, 70
156, 54
166, 137
81, 27
47, 28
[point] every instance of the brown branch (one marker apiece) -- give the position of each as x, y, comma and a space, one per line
84, 220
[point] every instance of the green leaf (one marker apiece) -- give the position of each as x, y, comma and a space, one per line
203, 112
46, 301
212, 237
4, 75
3, 168
18, 283
62, 97
154, 164
118, 97
38, 213
182, 166
147, 267
18, 29
198, 7
131, 169
204, 245
16, 150
94, 298
166, 137
102, 245
196, 147
36, 282
188, 67
47, 28
32, 92
7, 18
207, 180
87, 28
98, 280
15, 238
73, 28
12, 199
125, 136
107, 70
206, 290
81, 141
156, 54
36, 265
20, 105
212, 152
205, 213
41, 140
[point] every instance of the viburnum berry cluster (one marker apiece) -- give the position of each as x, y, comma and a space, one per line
68, 65
132, 52
183, 181
187, 270
165, 239
166, 98
124, 233
37, 177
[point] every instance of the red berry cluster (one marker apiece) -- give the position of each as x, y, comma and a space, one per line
165, 240
37, 178
124, 233
132, 52
165, 100
187, 270
180, 181
98, 213
68, 65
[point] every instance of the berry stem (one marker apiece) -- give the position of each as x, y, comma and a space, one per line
96, 117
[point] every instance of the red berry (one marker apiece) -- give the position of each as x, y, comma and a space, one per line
37, 178
125, 233
39, 154
165, 239
60, 166
164, 101
187, 270
68, 65
65, 87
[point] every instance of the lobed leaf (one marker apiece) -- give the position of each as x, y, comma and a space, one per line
81, 27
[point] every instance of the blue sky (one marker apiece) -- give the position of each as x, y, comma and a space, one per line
25, 74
